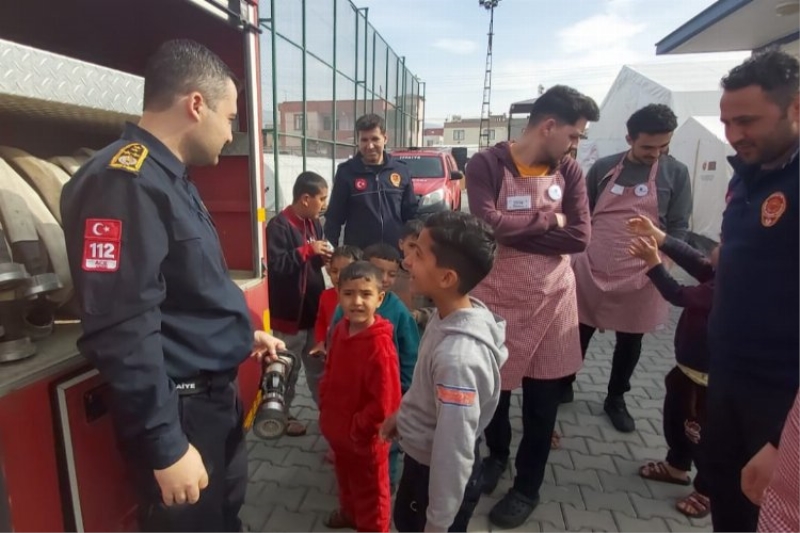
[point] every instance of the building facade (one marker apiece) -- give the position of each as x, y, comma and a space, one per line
459, 131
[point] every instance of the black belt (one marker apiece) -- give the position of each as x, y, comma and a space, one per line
204, 382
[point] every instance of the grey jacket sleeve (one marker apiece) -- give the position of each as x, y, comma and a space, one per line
462, 380
679, 210
592, 186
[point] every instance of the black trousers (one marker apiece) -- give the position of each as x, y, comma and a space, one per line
540, 400
212, 421
742, 417
685, 402
627, 351
411, 503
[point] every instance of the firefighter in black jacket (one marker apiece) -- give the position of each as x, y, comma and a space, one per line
162, 320
372, 192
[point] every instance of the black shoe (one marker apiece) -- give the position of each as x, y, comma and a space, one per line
616, 410
513, 510
568, 396
493, 469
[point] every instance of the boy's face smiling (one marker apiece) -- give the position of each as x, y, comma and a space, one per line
335, 268
389, 269
360, 299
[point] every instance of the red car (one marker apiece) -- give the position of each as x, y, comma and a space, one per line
437, 180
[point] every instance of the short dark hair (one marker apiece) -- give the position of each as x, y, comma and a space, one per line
652, 119
565, 104
348, 252
383, 251
463, 243
309, 183
361, 270
774, 71
412, 228
181, 66
370, 121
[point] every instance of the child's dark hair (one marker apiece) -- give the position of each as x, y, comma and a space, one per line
383, 251
309, 183
412, 228
463, 243
346, 251
361, 270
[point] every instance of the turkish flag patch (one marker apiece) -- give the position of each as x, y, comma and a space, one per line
361, 184
102, 241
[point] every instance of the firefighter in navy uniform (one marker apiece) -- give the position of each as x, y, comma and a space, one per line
162, 320
373, 195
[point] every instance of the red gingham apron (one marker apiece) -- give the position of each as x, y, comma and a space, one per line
780, 508
534, 293
614, 291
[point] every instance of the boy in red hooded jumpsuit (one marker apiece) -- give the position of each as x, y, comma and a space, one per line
360, 388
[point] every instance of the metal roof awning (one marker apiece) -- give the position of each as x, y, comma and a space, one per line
735, 25
523, 107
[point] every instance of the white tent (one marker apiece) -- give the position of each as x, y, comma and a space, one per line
688, 87
701, 145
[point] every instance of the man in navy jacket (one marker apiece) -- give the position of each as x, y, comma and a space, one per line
753, 328
372, 192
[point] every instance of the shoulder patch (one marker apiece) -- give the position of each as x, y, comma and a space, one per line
130, 158
460, 396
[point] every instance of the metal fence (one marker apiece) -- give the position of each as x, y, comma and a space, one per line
322, 66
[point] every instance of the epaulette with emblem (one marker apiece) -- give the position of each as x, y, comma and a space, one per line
130, 158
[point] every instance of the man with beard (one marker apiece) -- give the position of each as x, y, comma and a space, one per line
373, 195
614, 292
534, 197
753, 325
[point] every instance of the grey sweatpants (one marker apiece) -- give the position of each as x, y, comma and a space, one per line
300, 344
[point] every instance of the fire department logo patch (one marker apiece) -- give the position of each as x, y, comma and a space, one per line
460, 396
130, 158
395, 179
361, 184
772, 209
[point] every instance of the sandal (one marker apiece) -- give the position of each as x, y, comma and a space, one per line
695, 505
294, 428
659, 472
338, 520
555, 440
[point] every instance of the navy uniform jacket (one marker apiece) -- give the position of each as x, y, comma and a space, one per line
156, 301
753, 323
374, 202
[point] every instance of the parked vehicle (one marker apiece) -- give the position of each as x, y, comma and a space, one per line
437, 179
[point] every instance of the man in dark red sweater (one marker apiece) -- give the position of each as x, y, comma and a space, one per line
534, 197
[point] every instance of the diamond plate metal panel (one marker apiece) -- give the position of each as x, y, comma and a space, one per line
38, 83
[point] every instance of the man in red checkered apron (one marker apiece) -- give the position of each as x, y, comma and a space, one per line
534, 197
614, 291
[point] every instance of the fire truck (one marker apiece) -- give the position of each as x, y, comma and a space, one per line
70, 77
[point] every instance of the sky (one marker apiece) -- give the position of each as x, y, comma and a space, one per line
582, 43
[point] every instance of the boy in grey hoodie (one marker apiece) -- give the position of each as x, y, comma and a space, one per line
456, 383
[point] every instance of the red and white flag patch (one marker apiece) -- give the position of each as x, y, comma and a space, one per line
361, 184
460, 396
102, 240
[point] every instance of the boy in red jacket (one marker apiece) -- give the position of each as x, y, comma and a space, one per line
342, 256
360, 388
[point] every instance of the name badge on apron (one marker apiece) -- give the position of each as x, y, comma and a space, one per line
554, 192
516, 203
641, 190
617, 189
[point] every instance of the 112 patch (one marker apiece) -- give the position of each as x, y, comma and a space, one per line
102, 241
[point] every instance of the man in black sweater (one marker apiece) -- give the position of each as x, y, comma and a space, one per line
753, 328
